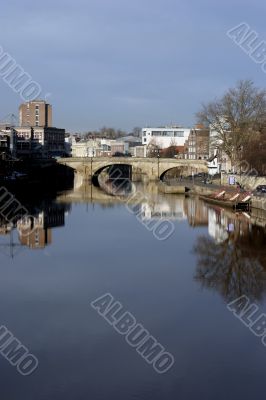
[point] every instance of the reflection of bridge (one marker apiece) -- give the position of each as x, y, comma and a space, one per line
151, 168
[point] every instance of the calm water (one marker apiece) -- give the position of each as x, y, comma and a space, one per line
86, 244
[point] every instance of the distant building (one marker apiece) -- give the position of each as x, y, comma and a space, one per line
35, 113
88, 148
98, 147
40, 141
174, 152
165, 137
35, 135
4, 142
198, 144
7, 141
119, 147
131, 140
138, 151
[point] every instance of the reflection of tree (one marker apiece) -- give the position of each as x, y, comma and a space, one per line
233, 267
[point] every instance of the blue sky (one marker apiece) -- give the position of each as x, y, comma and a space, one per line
124, 63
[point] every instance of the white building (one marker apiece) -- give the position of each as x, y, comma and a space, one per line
138, 151
165, 137
213, 166
221, 162
88, 148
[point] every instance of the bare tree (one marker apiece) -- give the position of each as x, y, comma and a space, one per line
153, 148
136, 131
237, 118
255, 153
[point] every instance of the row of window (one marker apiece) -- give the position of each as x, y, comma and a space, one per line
166, 133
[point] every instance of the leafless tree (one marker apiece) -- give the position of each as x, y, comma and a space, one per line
136, 131
237, 118
255, 153
153, 148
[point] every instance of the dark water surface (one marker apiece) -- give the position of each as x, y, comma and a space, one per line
86, 244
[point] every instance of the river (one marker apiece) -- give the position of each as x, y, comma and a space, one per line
171, 261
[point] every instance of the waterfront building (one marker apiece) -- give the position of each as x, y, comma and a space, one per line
4, 142
7, 141
198, 143
213, 166
40, 141
35, 113
165, 137
216, 155
35, 135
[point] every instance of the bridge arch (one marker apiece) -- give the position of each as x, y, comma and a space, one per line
180, 168
115, 170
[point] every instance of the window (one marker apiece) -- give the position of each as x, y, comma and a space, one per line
179, 133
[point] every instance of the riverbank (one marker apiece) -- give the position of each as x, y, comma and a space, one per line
258, 203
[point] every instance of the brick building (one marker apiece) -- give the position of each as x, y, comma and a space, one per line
35, 113
198, 144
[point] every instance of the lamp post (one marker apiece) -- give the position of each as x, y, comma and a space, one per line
91, 165
158, 158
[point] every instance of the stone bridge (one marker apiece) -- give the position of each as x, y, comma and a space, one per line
141, 168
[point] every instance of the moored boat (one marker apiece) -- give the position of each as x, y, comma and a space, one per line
235, 200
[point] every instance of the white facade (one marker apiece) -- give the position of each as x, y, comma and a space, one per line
138, 151
85, 149
165, 137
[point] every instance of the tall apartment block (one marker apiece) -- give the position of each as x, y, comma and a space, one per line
35, 135
35, 113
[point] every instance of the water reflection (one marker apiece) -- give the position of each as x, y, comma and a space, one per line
232, 259
34, 231
230, 249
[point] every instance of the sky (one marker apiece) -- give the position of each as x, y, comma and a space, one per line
128, 63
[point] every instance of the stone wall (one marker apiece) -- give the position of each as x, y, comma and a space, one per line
249, 182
